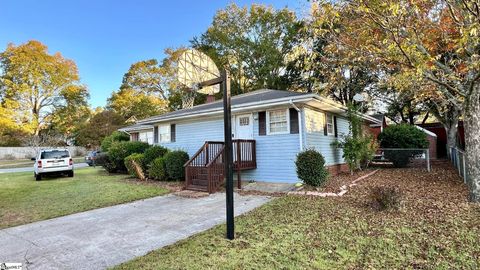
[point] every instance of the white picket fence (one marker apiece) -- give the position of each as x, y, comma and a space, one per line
10, 153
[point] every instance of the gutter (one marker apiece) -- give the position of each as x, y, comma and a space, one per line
300, 126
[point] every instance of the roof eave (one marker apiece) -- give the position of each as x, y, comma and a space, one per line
261, 104
345, 109
235, 108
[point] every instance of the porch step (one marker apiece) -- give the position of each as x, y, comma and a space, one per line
200, 182
201, 176
202, 179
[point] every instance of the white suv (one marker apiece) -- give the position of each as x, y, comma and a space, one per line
53, 161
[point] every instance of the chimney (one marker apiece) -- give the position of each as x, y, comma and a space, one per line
210, 99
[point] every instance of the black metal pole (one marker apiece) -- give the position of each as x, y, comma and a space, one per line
227, 114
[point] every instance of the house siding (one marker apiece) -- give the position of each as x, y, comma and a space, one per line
275, 153
143, 136
315, 137
275, 157
191, 135
146, 136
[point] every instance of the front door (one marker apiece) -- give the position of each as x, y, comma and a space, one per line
244, 126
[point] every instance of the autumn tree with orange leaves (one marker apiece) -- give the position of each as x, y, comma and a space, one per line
434, 41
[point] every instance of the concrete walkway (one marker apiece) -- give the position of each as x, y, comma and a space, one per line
268, 187
108, 236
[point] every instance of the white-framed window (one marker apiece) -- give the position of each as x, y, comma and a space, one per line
244, 120
164, 133
330, 125
277, 122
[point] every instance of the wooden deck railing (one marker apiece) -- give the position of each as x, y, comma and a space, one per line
244, 154
216, 171
205, 170
196, 172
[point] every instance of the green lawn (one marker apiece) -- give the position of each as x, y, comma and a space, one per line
20, 163
24, 200
429, 232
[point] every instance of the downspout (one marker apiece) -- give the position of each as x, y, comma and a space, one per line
300, 126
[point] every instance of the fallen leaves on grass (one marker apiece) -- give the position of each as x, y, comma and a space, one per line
335, 182
437, 228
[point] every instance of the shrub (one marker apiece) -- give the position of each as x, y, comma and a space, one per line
174, 162
310, 167
116, 136
103, 160
402, 136
358, 146
129, 164
157, 169
120, 150
384, 198
153, 153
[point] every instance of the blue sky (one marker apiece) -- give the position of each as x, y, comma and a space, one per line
104, 37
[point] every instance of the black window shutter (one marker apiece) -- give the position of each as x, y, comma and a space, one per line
262, 123
325, 132
173, 131
335, 126
293, 121
155, 134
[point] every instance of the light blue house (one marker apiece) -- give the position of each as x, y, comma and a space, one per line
269, 126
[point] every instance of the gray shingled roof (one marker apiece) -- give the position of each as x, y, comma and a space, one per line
256, 96
136, 127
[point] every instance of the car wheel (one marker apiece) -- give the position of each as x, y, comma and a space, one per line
70, 174
38, 177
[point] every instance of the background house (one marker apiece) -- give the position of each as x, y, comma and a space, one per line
441, 144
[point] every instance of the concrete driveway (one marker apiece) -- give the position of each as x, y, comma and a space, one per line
30, 168
108, 236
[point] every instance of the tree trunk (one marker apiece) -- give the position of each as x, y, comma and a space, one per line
425, 118
472, 145
451, 130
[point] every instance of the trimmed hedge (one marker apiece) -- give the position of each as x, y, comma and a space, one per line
153, 153
103, 160
402, 136
174, 162
158, 170
116, 136
120, 150
310, 167
137, 158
